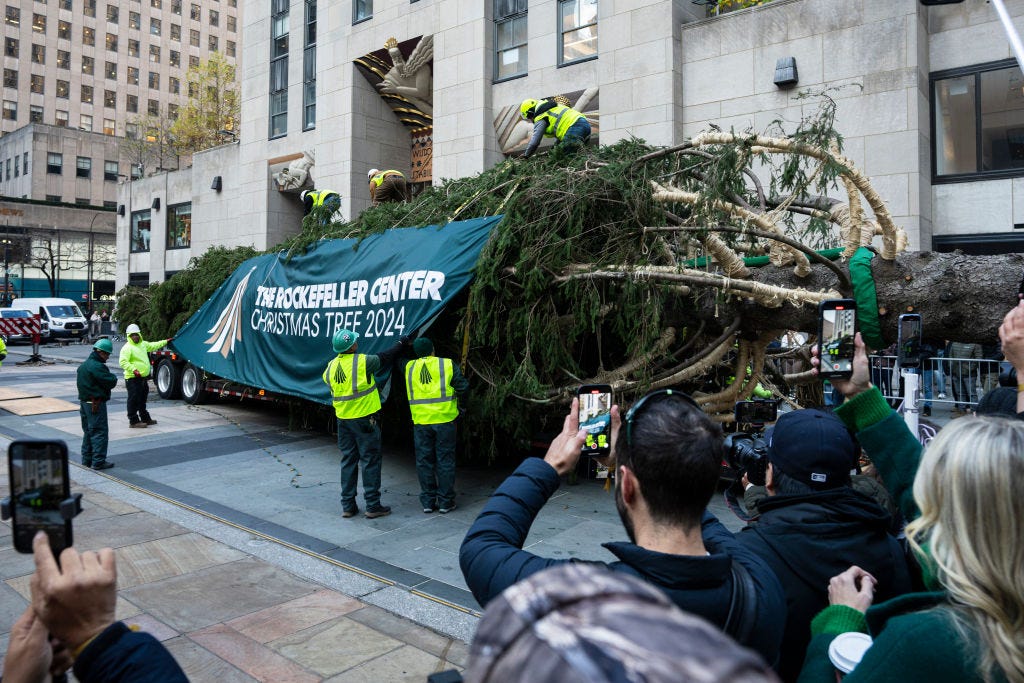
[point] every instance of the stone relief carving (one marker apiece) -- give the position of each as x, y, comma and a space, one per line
297, 175
411, 78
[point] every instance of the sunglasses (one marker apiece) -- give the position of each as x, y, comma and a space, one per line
652, 397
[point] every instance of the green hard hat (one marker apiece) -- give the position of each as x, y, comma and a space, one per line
104, 345
344, 340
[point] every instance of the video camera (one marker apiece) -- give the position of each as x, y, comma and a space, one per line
747, 452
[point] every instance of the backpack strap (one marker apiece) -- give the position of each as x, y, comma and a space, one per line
742, 604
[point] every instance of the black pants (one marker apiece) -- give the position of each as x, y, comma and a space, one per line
138, 391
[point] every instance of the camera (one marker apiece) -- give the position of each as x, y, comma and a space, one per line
1007, 375
747, 453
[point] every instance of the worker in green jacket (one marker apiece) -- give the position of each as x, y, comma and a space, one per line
312, 199
554, 120
94, 382
134, 360
433, 385
3, 351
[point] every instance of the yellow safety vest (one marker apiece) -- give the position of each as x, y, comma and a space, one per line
379, 178
353, 392
428, 386
560, 118
320, 196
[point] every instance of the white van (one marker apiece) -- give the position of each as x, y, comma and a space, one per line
63, 315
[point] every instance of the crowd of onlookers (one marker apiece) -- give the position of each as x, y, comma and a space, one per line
911, 569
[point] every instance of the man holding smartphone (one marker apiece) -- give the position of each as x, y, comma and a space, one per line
95, 381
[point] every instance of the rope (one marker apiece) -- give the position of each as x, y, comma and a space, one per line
866, 296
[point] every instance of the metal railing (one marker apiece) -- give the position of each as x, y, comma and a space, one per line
958, 383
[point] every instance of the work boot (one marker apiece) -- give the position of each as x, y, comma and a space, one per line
379, 511
927, 411
104, 465
138, 425
150, 421
352, 512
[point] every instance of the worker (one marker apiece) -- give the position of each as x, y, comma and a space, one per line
3, 350
387, 186
554, 120
134, 360
356, 403
312, 199
432, 385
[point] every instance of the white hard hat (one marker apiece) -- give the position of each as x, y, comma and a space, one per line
372, 172
133, 329
302, 195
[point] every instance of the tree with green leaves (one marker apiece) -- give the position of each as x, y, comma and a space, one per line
213, 106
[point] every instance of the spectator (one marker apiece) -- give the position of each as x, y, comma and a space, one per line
1011, 335
582, 623
814, 525
962, 371
667, 470
999, 401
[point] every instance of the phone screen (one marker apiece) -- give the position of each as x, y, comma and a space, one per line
596, 418
756, 412
838, 323
39, 483
910, 340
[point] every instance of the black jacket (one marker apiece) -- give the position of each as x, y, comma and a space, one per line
808, 539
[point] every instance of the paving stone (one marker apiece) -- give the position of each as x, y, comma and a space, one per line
167, 557
404, 665
123, 530
255, 659
202, 666
153, 626
335, 646
293, 616
422, 638
208, 596
12, 604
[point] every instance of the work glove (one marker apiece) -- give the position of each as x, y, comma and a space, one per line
170, 339
405, 340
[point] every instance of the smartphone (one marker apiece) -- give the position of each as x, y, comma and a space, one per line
909, 341
757, 411
837, 323
596, 418
39, 480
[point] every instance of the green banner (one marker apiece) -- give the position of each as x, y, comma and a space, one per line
270, 324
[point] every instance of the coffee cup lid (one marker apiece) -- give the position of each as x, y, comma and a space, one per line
846, 650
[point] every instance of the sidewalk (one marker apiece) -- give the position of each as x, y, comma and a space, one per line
232, 606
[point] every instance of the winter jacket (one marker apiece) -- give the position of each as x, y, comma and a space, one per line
136, 357
120, 655
808, 539
95, 380
492, 559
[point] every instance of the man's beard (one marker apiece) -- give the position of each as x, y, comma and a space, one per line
627, 521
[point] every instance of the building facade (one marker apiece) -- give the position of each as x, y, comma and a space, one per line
432, 88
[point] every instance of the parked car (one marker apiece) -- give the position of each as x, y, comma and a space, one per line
20, 314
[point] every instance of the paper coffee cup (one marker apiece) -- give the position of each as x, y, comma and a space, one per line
847, 649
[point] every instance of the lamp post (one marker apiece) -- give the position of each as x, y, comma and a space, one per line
7, 265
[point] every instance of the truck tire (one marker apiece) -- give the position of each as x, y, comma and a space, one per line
192, 385
168, 379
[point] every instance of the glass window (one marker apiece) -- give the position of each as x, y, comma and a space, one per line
17, 167
232, 3
154, 54
214, 44
176, 7
133, 75
154, 108
63, 89
12, 16
157, 4
10, 78
110, 170
84, 201
175, 31
179, 226
175, 58
110, 70
214, 18
172, 112
87, 94
510, 38
232, 23
134, 20
133, 48
173, 85
110, 99
193, 61
196, 12
193, 37
54, 163
64, 30
10, 110
38, 54
85, 122
140, 231
24, 163
35, 113
11, 47
577, 30
61, 118
39, 23
64, 4
108, 126
229, 48
112, 14
38, 84
131, 130
361, 10
88, 66
8, 165
88, 35
83, 167
309, 69
112, 42
154, 80
132, 104
90, 8
63, 59
154, 27
979, 121
54, 198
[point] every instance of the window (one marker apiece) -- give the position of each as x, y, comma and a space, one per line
232, 23
509, 39
109, 204
12, 16
54, 198
140, 231
175, 31
63, 89
175, 58
196, 12
84, 201
112, 42
279, 68
35, 113
110, 70
179, 226
229, 49
193, 89
154, 27
232, 3
85, 123
577, 30
64, 30
193, 61
154, 54
132, 105
8, 165
90, 8
24, 163
173, 85
38, 54
133, 48
63, 59
88, 66
17, 167
110, 99
214, 43
361, 10
133, 75
10, 78
154, 80
214, 18
87, 94
113, 15
88, 35
11, 47
176, 7
309, 69
193, 37
154, 108
110, 171
39, 24
172, 112
156, 4
978, 120
108, 126
134, 20
54, 163
38, 84
64, 4
131, 130
61, 118
83, 167
10, 110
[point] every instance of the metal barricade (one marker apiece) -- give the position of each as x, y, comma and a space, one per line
956, 383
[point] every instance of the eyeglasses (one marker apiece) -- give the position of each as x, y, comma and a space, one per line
648, 398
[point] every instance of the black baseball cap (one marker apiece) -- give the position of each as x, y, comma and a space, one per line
813, 447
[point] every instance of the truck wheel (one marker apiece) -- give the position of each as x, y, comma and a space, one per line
168, 379
192, 385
